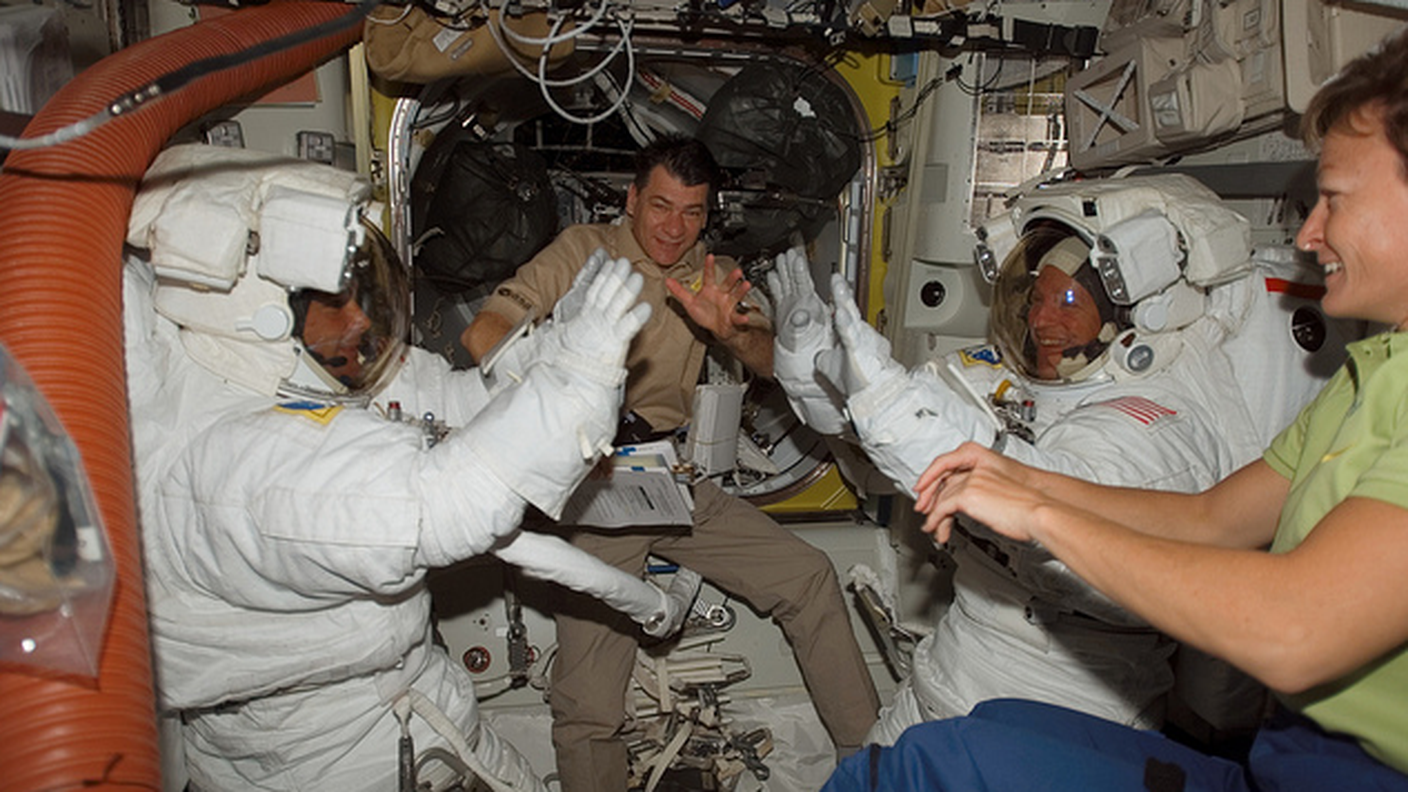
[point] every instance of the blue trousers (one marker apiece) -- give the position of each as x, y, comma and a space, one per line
1031, 747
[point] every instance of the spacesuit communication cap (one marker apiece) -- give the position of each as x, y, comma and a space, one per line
1051, 316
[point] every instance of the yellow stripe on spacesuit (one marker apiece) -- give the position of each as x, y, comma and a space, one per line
313, 411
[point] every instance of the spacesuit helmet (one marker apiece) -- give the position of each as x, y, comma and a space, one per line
1146, 249
1051, 316
352, 339
272, 272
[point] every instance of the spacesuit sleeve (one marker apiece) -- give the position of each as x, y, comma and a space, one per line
549, 558
904, 422
288, 508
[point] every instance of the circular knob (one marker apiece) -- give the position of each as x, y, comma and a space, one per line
477, 659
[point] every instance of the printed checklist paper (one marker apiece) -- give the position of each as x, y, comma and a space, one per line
641, 490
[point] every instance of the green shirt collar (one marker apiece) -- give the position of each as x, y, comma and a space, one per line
1367, 355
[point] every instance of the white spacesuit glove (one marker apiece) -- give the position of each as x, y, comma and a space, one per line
540, 437
593, 340
675, 604
511, 357
570, 304
862, 360
803, 331
903, 420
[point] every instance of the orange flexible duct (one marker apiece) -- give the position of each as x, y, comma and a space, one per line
63, 217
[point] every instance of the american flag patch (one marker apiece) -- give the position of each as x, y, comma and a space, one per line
1140, 409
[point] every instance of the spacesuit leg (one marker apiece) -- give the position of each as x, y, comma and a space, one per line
1010, 744
596, 649
447, 710
902, 712
504, 761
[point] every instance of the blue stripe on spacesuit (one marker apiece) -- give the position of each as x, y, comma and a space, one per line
312, 410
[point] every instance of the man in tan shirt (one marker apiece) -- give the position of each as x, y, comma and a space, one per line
732, 544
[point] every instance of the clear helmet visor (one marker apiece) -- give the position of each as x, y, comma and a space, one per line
354, 340
1051, 317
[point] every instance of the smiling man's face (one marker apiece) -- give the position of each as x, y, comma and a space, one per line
667, 215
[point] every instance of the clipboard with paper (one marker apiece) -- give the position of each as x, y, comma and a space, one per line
641, 490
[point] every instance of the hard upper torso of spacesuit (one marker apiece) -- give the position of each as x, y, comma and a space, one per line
1173, 429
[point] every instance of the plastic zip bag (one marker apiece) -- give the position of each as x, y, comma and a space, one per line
56, 571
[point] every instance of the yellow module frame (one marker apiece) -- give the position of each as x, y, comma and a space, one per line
868, 78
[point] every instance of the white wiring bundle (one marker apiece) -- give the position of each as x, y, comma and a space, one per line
501, 32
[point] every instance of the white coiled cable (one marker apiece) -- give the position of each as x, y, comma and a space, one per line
501, 32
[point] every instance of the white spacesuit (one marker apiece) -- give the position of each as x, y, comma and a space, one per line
288, 525
1192, 370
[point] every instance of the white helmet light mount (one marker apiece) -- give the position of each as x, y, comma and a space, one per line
306, 240
996, 238
1157, 243
270, 322
1138, 256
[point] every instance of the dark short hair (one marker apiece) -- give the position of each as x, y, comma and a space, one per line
685, 158
1375, 82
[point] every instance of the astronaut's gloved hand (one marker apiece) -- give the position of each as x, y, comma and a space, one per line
506, 361
570, 304
802, 331
593, 340
523, 346
544, 433
863, 359
675, 604
803, 324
